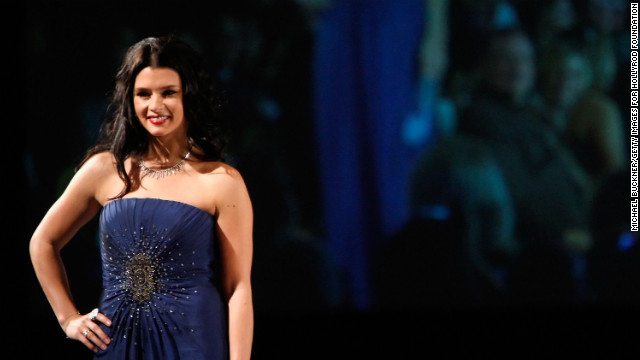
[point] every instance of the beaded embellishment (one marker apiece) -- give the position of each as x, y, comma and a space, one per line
140, 277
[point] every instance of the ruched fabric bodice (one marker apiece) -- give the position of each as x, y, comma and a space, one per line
158, 290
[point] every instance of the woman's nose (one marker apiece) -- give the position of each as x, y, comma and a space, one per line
156, 103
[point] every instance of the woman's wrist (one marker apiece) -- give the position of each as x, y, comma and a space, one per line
63, 321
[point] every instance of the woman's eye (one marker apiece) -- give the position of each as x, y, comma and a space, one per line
169, 92
143, 94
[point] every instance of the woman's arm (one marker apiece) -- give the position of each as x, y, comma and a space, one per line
75, 207
235, 233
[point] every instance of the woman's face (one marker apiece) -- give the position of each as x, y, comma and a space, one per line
157, 99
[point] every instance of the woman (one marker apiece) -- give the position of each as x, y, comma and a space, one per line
168, 208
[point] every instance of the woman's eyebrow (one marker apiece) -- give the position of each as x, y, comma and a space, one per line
160, 88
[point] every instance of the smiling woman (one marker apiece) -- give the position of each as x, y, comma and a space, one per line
158, 101
165, 224
161, 77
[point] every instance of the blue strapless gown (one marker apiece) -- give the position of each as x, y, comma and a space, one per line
157, 273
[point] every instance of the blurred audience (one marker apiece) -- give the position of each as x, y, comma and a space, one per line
549, 188
473, 22
580, 112
606, 34
457, 248
500, 210
562, 80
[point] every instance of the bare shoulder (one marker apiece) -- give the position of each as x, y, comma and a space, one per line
226, 185
99, 177
100, 164
222, 173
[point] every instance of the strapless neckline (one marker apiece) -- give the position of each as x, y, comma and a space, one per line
160, 200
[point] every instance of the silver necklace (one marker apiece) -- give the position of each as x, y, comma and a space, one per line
159, 174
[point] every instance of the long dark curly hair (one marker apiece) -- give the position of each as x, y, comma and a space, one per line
124, 136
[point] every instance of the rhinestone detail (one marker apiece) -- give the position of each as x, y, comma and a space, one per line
140, 278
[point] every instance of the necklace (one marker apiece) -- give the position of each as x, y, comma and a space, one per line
159, 174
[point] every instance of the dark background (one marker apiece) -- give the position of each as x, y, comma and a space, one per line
62, 58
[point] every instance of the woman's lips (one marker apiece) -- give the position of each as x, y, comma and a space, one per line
157, 120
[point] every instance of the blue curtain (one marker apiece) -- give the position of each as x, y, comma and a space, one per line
365, 92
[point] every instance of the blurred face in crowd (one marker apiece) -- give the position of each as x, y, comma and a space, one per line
563, 79
509, 67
